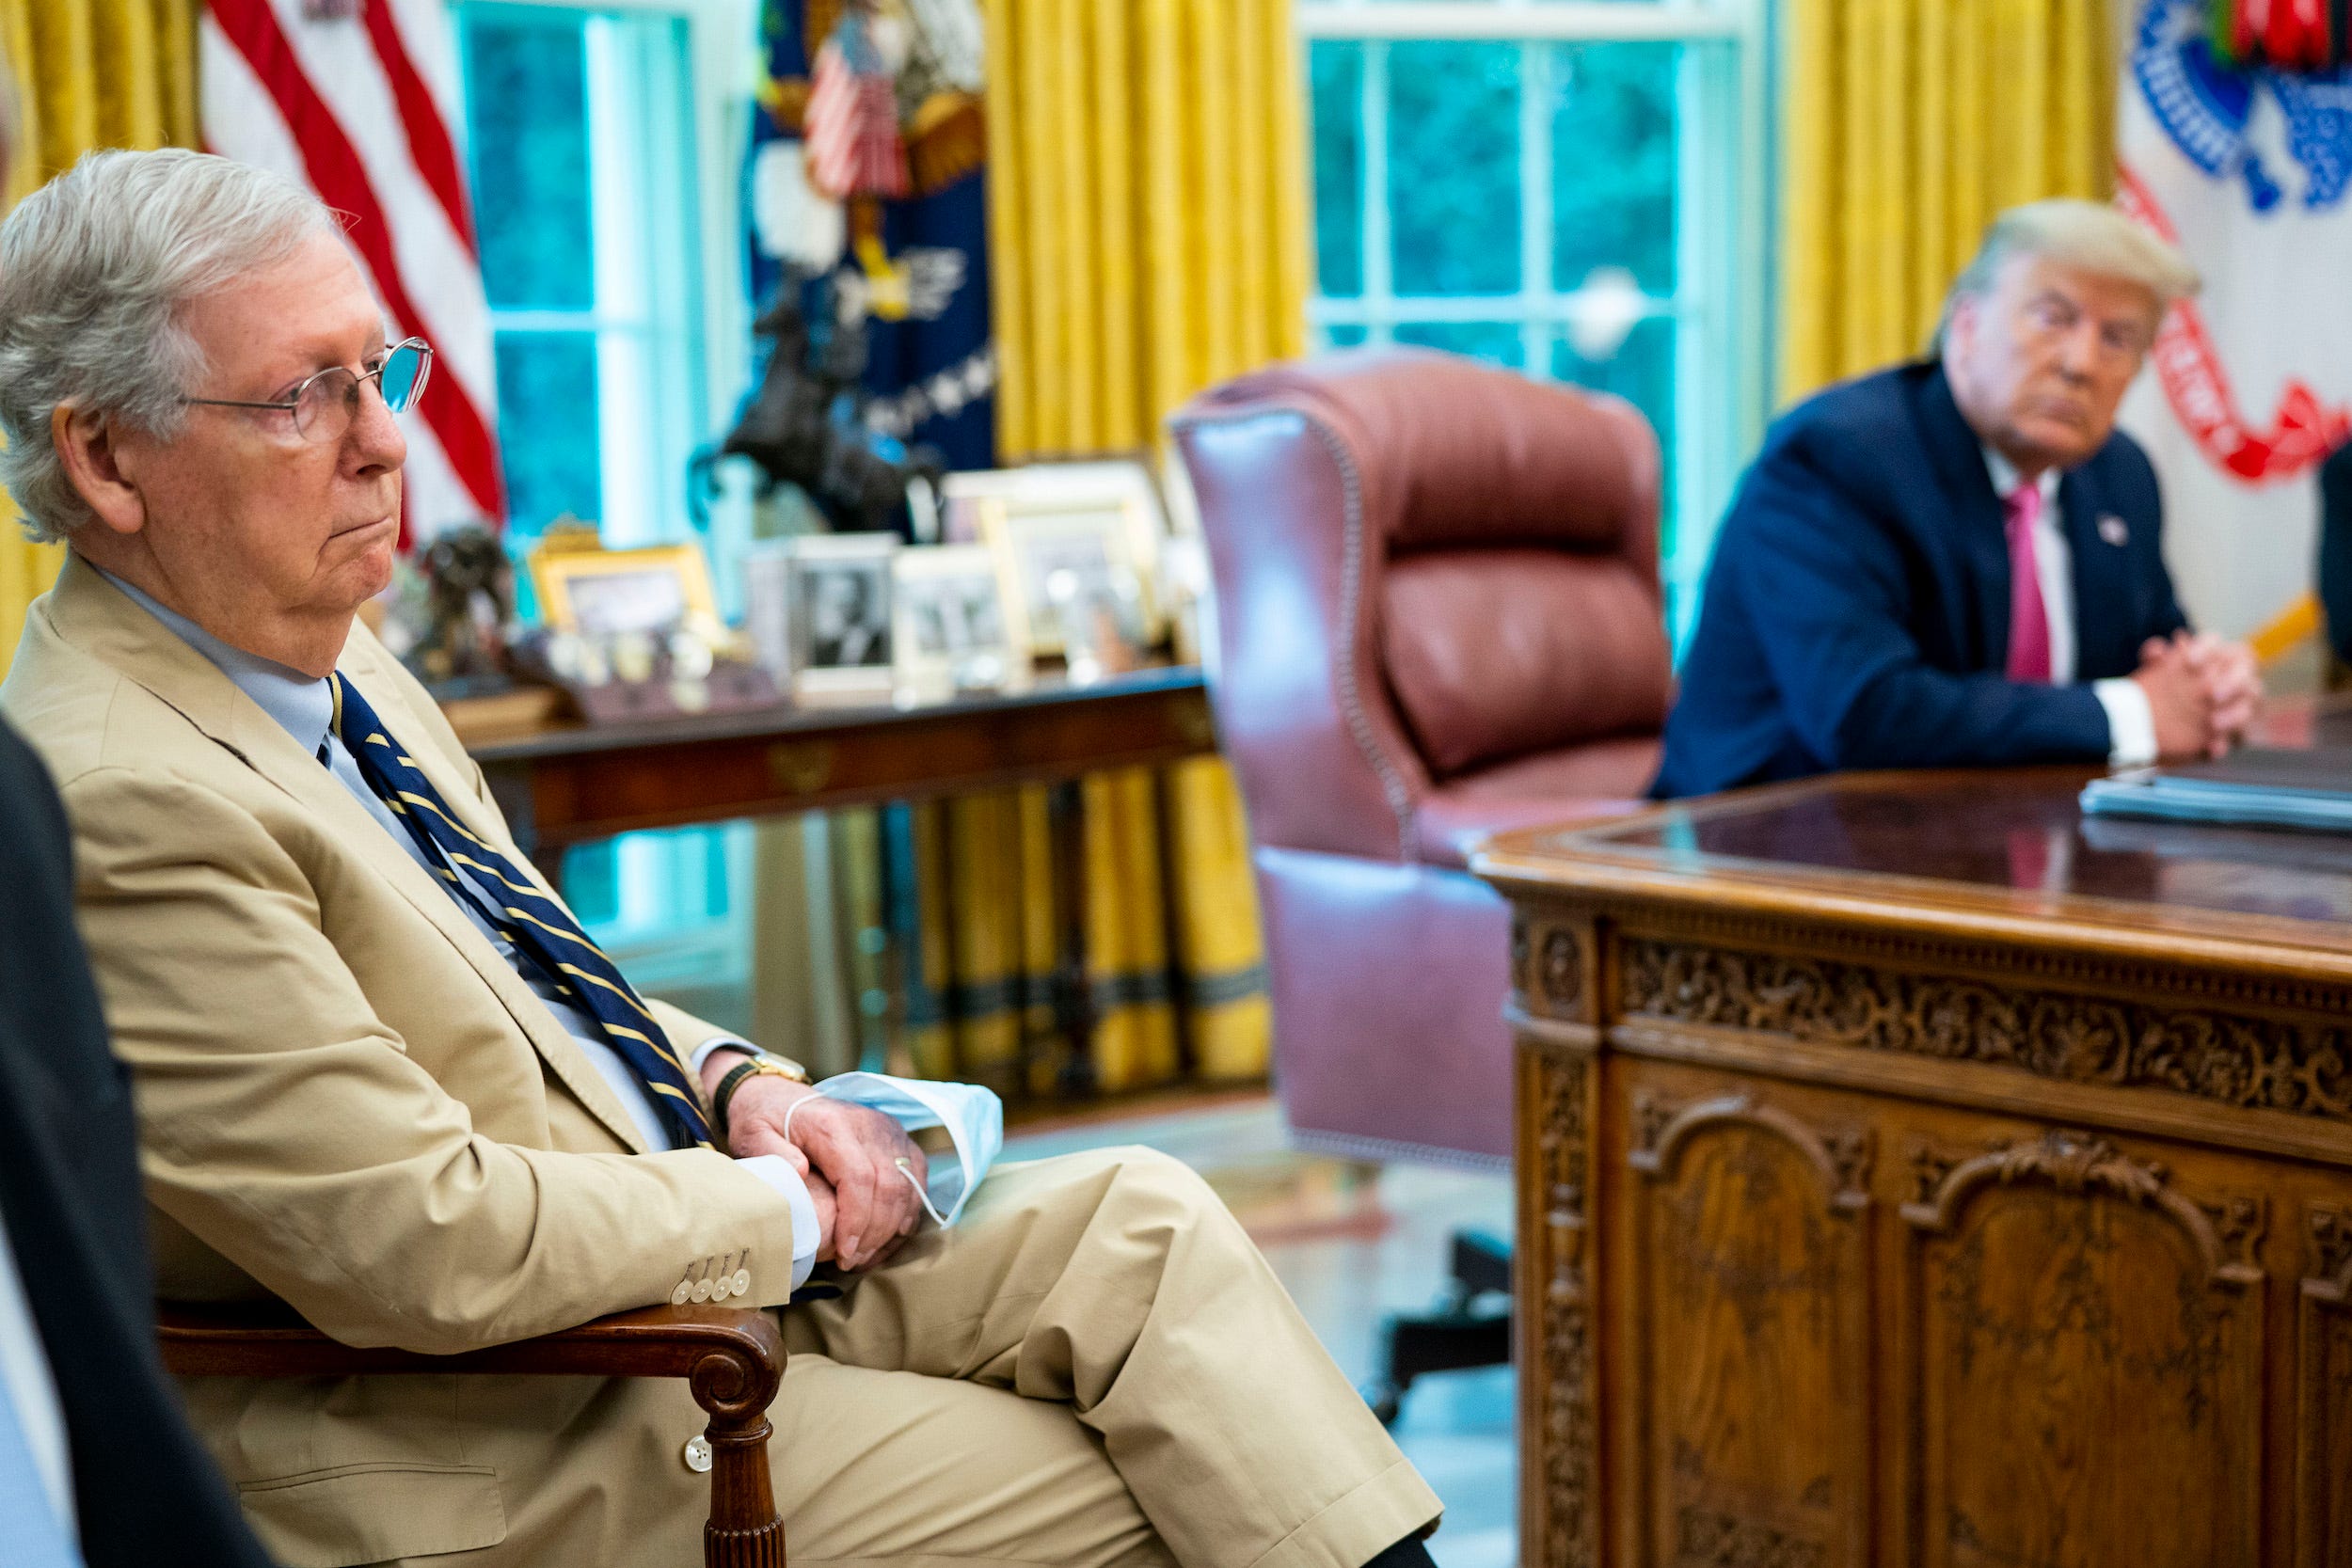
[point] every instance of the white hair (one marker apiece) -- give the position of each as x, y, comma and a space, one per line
96, 268
2085, 235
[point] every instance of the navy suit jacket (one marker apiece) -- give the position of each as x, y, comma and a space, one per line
2335, 550
1857, 606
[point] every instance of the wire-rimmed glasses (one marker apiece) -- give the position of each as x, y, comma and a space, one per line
323, 407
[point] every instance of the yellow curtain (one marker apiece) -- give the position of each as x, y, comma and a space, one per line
1910, 124
88, 73
1147, 211
1147, 238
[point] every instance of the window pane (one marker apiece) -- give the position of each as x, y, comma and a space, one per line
592, 884
1345, 335
712, 873
1642, 372
1613, 158
1498, 342
546, 429
527, 122
1338, 72
1453, 167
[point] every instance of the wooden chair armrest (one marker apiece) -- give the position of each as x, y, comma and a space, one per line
732, 1357
655, 1342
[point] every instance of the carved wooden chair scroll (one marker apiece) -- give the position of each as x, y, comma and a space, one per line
732, 1357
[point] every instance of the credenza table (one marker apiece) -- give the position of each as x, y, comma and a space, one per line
1916, 1173
562, 782
565, 782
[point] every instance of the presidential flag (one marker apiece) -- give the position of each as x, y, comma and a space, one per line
840, 82
2246, 166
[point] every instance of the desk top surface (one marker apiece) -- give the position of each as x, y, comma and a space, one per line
787, 719
2004, 855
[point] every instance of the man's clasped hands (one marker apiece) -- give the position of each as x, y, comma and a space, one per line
856, 1162
2202, 691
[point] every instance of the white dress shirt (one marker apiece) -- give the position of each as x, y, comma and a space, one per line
28, 1384
304, 707
2131, 722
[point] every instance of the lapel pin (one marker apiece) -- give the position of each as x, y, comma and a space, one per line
2113, 529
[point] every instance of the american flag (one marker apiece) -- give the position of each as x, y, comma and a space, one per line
356, 102
854, 148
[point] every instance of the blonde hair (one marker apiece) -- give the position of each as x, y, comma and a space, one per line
2085, 235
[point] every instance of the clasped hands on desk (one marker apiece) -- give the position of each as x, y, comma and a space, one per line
1913, 1172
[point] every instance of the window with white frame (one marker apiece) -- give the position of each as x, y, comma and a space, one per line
1574, 188
601, 141
580, 138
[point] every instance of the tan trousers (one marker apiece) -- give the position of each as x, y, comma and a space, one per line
1095, 1367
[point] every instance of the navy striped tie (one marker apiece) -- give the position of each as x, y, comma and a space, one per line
541, 930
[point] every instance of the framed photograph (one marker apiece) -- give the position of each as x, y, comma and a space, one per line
607, 593
1120, 487
768, 606
1059, 562
953, 633
836, 635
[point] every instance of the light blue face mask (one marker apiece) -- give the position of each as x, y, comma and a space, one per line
974, 1118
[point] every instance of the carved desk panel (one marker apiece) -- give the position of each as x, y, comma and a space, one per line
1913, 1174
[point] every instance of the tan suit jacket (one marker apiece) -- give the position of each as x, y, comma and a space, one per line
349, 1100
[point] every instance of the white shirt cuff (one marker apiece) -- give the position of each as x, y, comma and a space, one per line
701, 1054
781, 1174
2131, 721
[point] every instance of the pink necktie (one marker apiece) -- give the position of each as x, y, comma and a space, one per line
2028, 620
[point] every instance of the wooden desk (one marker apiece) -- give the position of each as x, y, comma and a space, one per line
1914, 1173
564, 783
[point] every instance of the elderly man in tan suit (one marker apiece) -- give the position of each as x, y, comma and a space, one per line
383, 1076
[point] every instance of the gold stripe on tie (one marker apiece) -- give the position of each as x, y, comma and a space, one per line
379, 740
649, 1042
676, 1093
494, 871
572, 936
455, 826
616, 990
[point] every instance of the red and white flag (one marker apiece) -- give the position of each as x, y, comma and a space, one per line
357, 102
2249, 171
851, 123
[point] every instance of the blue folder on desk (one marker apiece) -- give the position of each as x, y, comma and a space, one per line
2308, 790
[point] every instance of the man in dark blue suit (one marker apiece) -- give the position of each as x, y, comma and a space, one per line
1956, 563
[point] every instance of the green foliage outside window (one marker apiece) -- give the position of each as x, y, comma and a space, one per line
1453, 167
1613, 161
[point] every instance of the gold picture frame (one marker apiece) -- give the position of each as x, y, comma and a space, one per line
603, 593
1016, 497
1098, 540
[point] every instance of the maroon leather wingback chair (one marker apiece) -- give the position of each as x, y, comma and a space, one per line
1439, 616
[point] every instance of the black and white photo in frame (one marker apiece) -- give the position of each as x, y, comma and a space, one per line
820, 609
953, 633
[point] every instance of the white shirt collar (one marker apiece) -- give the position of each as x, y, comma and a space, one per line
303, 706
2006, 478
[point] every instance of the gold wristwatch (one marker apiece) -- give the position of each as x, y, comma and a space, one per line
760, 1064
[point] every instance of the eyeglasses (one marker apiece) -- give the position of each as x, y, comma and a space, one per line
2050, 317
323, 407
